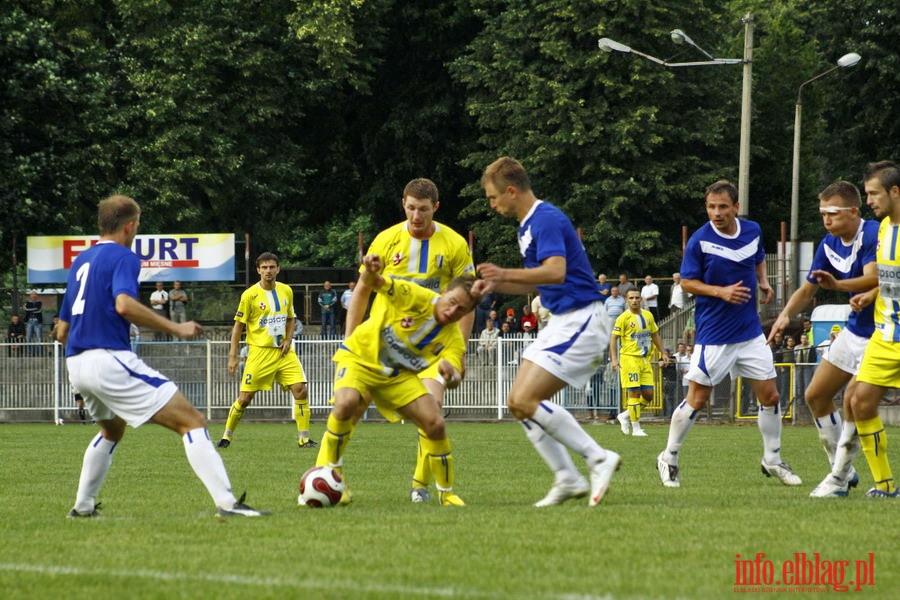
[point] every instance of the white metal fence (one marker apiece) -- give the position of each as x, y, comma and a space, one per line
34, 382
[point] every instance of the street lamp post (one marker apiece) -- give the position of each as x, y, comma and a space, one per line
848, 60
680, 37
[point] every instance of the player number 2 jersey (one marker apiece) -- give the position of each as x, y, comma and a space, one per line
265, 313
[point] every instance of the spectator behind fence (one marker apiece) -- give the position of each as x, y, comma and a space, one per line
487, 341
15, 334
34, 322
678, 296
346, 296
604, 286
177, 301
328, 302
615, 304
528, 317
511, 320
159, 302
624, 285
650, 297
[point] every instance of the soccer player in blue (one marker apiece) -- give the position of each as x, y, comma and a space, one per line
845, 261
569, 349
724, 262
118, 388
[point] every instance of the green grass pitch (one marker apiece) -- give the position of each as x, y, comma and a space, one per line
159, 538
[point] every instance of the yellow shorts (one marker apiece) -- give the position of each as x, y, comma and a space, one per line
881, 363
388, 393
635, 372
265, 365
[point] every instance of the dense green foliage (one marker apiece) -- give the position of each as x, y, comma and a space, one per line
299, 122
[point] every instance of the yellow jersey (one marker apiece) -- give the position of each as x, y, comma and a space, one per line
887, 303
404, 335
431, 263
635, 332
265, 313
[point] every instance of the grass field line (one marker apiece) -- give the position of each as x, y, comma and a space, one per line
294, 583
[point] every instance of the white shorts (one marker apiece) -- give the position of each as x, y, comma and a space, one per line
116, 383
751, 360
571, 345
846, 351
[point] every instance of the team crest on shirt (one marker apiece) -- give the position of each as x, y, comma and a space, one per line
262, 306
407, 322
397, 258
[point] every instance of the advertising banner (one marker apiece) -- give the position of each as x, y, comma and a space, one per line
178, 257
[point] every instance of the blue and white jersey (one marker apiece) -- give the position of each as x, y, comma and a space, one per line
717, 259
97, 276
846, 261
544, 232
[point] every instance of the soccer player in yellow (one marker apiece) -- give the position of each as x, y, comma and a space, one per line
429, 253
880, 368
267, 311
636, 329
414, 330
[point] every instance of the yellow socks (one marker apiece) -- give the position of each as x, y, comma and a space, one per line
422, 475
301, 417
634, 409
873, 440
334, 442
234, 417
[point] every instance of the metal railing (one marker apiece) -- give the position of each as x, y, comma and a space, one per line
34, 381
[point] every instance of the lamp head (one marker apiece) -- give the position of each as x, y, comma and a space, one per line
678, 36
848, 60
608, 45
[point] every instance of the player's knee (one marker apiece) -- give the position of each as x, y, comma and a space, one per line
768, 397
520, 406
434, 428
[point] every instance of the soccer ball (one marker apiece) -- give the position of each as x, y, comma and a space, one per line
320, 487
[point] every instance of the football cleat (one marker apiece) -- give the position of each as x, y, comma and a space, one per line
876, 493
639, 433
448, 498
625, 421
346, 498
831, 487
241, 510
74, 514
307, 444
668, 474
601, 472
224, 443
781, 471
562, 491
419, 495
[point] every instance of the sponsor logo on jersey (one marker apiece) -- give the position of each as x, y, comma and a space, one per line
397, 354
273, 320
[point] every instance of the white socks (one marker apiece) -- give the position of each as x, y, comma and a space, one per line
682, 419
553, 453
208, 466
563, 427
97, 460
829, 429
769, 421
